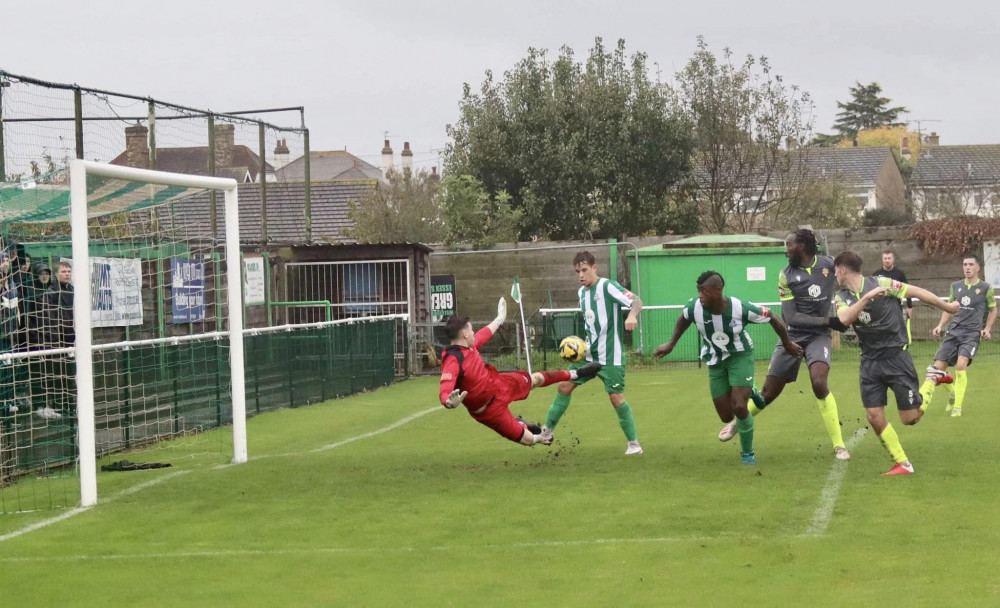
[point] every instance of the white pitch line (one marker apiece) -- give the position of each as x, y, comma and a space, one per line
828, 500
385, 429
77, 510
354, 550
151, 482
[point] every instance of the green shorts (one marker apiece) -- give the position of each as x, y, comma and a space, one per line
734, 370
612, 375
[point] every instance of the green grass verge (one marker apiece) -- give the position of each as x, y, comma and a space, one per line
440, 511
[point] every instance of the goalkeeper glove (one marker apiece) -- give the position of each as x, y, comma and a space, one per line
501, 312
455, 399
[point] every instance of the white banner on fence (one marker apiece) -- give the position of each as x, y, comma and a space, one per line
253, 281
116, 292
991, 263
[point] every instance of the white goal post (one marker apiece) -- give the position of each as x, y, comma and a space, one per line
79, 221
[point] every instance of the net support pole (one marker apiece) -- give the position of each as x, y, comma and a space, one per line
234, 296
84, 338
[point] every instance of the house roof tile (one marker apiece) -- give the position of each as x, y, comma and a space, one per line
958, 165
285, 212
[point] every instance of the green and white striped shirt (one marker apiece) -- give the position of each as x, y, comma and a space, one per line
725, 334
601, 305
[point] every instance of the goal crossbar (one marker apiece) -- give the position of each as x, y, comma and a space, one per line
79, 170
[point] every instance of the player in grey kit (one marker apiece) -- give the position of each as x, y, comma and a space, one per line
877, 318
805, 288
964, 333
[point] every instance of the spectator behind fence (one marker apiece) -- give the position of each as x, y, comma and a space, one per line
10, 321
33, 320
32, 307
58, 330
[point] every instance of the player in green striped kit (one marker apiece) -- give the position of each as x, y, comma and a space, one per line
727, 349
601, 301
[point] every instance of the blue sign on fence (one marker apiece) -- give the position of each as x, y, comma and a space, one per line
188, 290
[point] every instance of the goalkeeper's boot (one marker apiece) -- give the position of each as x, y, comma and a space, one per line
939, 376
728, 431
748, 457
546, 436
956, 412
841, 453
534, 429
900, 468
589, 370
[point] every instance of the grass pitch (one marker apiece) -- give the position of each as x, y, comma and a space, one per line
385, 499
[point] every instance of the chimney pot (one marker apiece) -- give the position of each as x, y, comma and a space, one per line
137, 146
407, 158
386, 159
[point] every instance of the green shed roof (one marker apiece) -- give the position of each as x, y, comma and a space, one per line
716, 244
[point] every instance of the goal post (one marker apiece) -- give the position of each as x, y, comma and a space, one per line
80, 170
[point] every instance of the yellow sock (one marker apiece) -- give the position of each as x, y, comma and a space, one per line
961, 381
831, 418
890, 441
754, 410
926, 391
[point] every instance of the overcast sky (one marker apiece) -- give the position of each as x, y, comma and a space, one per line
364, 68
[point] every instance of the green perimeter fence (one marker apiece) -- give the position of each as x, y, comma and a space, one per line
149, 393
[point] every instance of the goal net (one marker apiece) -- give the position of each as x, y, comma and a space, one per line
120, 331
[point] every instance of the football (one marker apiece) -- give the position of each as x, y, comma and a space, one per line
573, 349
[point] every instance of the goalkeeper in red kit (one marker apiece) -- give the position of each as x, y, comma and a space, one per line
485, 392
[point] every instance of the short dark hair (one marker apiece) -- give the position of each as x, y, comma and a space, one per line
454, 325
972, 256
849, 260
890, 251
65, 264
807, 238
584, 257
707, 275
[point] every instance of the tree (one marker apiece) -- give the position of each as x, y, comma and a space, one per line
583, 150
404, 210
823, 203
472, 216
866, 110
742, 115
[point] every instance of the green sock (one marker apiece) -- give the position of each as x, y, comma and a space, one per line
926, 391
745, 429
626, 420
557, 409
831, 418
961, 381
890, 441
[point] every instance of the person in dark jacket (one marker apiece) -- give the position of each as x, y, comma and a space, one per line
32, 293
58, 332
34, 321
10, 322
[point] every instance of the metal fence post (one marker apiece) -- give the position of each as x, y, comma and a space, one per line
212, 204
3, 170
308, 186
78, 120
263, 185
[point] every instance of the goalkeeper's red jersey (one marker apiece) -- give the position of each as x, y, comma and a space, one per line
476, 376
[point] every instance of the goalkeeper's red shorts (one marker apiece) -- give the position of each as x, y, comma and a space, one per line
509, 387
